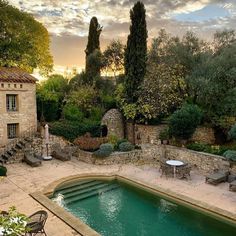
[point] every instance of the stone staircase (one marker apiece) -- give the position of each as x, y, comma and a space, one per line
14, 150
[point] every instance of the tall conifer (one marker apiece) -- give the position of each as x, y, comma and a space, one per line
93, 48
136, 52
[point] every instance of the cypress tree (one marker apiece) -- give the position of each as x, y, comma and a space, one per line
93, 47
136, 52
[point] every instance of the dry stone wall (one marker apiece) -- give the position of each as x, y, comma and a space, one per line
144, 134
151, 154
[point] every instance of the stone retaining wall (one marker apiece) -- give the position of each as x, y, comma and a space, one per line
115, 158
151, 154
143, 134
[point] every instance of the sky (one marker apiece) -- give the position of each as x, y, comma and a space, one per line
67, 21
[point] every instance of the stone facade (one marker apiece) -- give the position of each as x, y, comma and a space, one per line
25, 116
144, 134
114, 122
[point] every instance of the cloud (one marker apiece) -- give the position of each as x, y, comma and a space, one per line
68, 20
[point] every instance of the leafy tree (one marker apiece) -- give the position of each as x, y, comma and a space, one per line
50, 96
113, 57
84, 98
213, 83
163, 90
93, 48
24, 42
223, 39
135, 53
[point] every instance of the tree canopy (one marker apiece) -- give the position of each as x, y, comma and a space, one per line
24, 42
113, 57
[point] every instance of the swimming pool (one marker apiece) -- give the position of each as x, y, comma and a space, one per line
116, 208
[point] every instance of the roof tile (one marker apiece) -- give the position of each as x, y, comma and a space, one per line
15, 75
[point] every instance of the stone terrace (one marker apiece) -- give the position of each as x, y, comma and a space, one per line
23, 179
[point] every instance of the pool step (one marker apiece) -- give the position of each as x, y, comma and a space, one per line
85, 190
91, 193
77, 186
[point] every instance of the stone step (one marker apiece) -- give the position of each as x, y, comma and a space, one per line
73, 184
91, 194
79, 186
84, 190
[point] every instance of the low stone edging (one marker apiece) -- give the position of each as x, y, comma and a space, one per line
151, 154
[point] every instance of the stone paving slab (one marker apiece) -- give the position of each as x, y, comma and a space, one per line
23, 180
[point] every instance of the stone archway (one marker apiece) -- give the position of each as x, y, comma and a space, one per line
114, 122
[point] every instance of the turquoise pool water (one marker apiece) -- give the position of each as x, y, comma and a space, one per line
126, 211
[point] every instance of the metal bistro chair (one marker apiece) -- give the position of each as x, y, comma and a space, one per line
36, 223
183, 172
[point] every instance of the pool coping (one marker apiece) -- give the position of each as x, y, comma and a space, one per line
79, 226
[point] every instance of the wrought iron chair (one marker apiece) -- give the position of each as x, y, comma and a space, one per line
36, 223
183, 171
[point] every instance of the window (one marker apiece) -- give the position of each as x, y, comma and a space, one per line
12, 130
11, 102
21, 85
2, 85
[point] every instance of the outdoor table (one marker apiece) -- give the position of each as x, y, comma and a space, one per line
174, 163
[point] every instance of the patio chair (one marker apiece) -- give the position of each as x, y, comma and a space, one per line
217, 177
61, 154
30, 159
232, 186
36, 223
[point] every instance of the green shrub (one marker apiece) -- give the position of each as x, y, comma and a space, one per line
70, 130
232, 132
108, 101
230, 155
119, 141
200, 147
105, 150
126, 147
164, 134
3, 171
96, 113
72, 112
113, 139
184, 122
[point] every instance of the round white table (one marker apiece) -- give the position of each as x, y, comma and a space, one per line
174, 163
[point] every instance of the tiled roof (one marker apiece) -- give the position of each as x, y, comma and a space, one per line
15, 75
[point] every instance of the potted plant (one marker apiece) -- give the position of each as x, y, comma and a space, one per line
164, 136
3, 170
13, 223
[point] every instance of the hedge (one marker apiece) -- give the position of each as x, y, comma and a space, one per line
70, 130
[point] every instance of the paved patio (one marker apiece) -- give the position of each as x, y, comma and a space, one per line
23, 179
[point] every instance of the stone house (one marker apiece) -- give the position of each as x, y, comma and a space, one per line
17, 104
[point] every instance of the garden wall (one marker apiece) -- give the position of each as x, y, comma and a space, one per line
144, 134
151, 154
